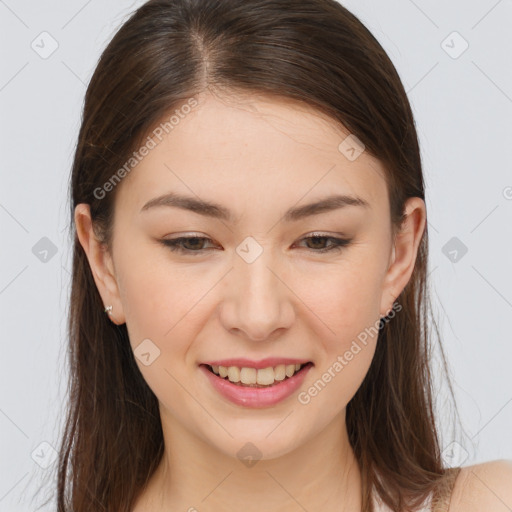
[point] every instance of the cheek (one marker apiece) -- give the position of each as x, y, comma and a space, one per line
344, 299
345, 304
338, 380
158, 298
161, 304
345, 356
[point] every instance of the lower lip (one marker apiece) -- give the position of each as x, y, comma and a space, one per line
256, 397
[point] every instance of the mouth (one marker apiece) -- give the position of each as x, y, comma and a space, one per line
248, 377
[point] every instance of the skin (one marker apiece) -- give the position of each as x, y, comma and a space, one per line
258, 157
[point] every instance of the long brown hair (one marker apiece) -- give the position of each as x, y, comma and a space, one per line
311, 51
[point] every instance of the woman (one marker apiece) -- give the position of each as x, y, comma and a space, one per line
248, 320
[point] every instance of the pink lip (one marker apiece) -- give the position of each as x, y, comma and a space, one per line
256, 397
247, 363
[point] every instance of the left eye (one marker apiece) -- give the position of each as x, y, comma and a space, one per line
195, 243
336, 243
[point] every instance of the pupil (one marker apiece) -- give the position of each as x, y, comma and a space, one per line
317, 239
194, 245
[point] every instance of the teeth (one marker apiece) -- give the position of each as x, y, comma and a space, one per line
265, 376
234, 374
256, 378
280, 372
247, 375
290, 370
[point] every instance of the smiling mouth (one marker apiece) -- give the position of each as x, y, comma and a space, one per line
253, 378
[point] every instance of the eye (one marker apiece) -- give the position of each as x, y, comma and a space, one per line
319, 239
177, 244
194, 245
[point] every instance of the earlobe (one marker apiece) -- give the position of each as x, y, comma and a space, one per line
100, 262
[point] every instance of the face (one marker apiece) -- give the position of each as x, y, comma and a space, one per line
260, 276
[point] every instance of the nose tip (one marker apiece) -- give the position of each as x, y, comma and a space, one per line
257, 307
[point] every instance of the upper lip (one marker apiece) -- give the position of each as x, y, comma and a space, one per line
263, 363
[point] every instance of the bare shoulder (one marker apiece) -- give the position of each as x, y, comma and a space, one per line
483, 487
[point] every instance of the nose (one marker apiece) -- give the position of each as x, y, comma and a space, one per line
257, 303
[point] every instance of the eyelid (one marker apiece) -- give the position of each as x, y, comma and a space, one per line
338, 242
310, 234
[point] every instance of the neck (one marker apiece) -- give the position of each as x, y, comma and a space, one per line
321, 474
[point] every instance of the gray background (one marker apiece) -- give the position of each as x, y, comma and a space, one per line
462, 101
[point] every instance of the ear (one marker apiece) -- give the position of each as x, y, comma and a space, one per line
405, 250
101, 263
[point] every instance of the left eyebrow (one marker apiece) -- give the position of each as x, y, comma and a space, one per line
210, 209
324, 205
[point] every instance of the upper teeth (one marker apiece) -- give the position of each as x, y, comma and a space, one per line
264, 376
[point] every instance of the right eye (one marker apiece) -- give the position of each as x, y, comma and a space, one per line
194, 243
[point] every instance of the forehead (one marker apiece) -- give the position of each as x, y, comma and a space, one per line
244, 150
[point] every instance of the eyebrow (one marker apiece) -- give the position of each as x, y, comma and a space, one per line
210, 209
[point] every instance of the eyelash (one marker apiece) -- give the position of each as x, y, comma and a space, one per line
174, 244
